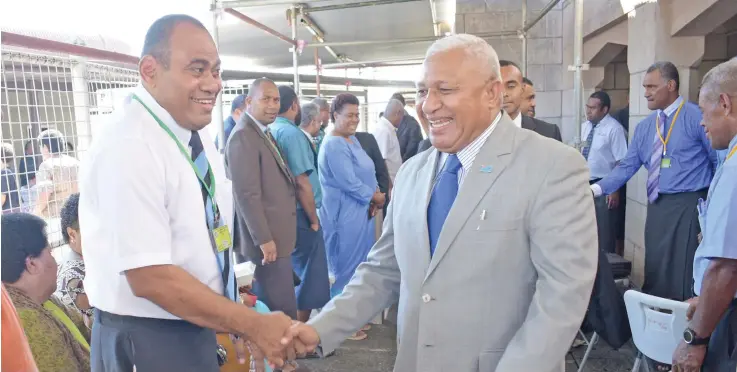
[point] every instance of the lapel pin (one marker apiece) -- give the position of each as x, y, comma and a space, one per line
486, 168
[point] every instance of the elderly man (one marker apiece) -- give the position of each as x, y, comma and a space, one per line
386, 136
509, 213
324, 119
300, 152
711, 337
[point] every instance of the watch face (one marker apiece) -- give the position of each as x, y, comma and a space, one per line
688, 336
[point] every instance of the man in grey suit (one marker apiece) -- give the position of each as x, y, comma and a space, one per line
489, 244
266, 224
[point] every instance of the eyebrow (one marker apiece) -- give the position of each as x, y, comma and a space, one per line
202, 61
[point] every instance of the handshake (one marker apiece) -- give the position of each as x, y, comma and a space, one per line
279, 340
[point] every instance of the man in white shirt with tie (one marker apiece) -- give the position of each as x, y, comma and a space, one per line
386, 136
157, 246
604, 145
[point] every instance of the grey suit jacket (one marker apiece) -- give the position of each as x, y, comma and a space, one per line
512, 273
263, 192
541, 127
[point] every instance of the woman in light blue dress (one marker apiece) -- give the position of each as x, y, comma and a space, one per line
350, 195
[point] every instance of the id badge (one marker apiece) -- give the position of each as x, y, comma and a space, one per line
665, 163
221, 236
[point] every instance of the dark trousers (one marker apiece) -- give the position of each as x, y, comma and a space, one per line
151, 345
721, 356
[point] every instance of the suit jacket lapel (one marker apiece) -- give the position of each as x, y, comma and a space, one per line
494, 155
424, 181
272, 148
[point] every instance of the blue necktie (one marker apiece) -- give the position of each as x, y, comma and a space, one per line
589, 140
442, 198
200, 160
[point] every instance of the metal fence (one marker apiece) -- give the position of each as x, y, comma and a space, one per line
50, 108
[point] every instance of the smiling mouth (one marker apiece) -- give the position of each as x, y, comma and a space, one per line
439, 123
204, 101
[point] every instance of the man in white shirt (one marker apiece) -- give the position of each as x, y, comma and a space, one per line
157, 249
604, 145
386, 136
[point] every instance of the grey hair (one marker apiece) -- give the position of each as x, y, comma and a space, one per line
720, 79
393, 106
322, 103
310, 112
668, 71
474, 46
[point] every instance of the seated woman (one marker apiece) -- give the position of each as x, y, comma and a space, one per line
69, 285
58, 338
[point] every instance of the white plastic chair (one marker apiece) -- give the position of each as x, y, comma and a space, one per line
656, 334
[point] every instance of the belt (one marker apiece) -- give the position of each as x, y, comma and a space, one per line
595, 180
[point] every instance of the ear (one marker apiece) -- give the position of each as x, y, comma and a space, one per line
33, 266
725, 102
148, 68
494, 91
672, 86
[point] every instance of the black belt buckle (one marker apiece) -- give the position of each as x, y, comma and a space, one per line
222, 355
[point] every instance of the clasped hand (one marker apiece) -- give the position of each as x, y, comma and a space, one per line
280, 343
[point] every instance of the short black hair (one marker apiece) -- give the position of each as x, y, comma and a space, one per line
53, 141
256, 85
341, 100
603, 97
287, 96
157, 42
70, 215
24, 235
506, 63
668, 71
399, 97
527, 81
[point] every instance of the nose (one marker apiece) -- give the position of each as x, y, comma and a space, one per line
211, 84
431, 102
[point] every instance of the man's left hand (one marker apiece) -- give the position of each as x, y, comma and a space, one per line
613, 200
688, 358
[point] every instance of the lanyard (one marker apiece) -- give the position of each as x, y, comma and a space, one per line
734, 149
670, 130
209, 188
68, 323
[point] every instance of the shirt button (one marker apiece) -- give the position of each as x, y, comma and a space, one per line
426, 298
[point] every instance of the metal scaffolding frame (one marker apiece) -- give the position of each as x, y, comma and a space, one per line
299, 11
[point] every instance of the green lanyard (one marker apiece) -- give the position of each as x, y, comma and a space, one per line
68, 323
209, 188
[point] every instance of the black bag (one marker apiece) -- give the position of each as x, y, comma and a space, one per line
607, 313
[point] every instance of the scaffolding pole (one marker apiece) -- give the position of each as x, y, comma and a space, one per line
578, 68
295, 50
217, 112
523, 36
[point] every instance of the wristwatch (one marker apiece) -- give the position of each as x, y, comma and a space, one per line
689, 337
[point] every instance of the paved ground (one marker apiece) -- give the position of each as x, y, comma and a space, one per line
377, 352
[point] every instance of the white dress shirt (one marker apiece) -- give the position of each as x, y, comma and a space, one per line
468, 154
518, 120
608, 146
141, 205
386, 137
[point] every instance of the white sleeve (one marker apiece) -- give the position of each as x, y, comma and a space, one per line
618, 142
383, 139
131, 194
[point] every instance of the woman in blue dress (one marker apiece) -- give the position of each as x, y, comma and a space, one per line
350, 195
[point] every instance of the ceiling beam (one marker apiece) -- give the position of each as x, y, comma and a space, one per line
327, 80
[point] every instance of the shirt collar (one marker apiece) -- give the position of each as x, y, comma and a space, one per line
732, 144
264, 128
672, 108
468, 153
518, 120
182, 134
387, 123
309, 136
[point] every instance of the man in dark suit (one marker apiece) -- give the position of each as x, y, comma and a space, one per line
408, 132
266, 223
513, 94
369, 144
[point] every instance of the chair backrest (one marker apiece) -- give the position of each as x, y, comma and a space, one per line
655, 333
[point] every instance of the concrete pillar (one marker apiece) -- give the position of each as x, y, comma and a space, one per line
649, 41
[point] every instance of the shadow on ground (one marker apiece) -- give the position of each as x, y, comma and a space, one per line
377, 352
